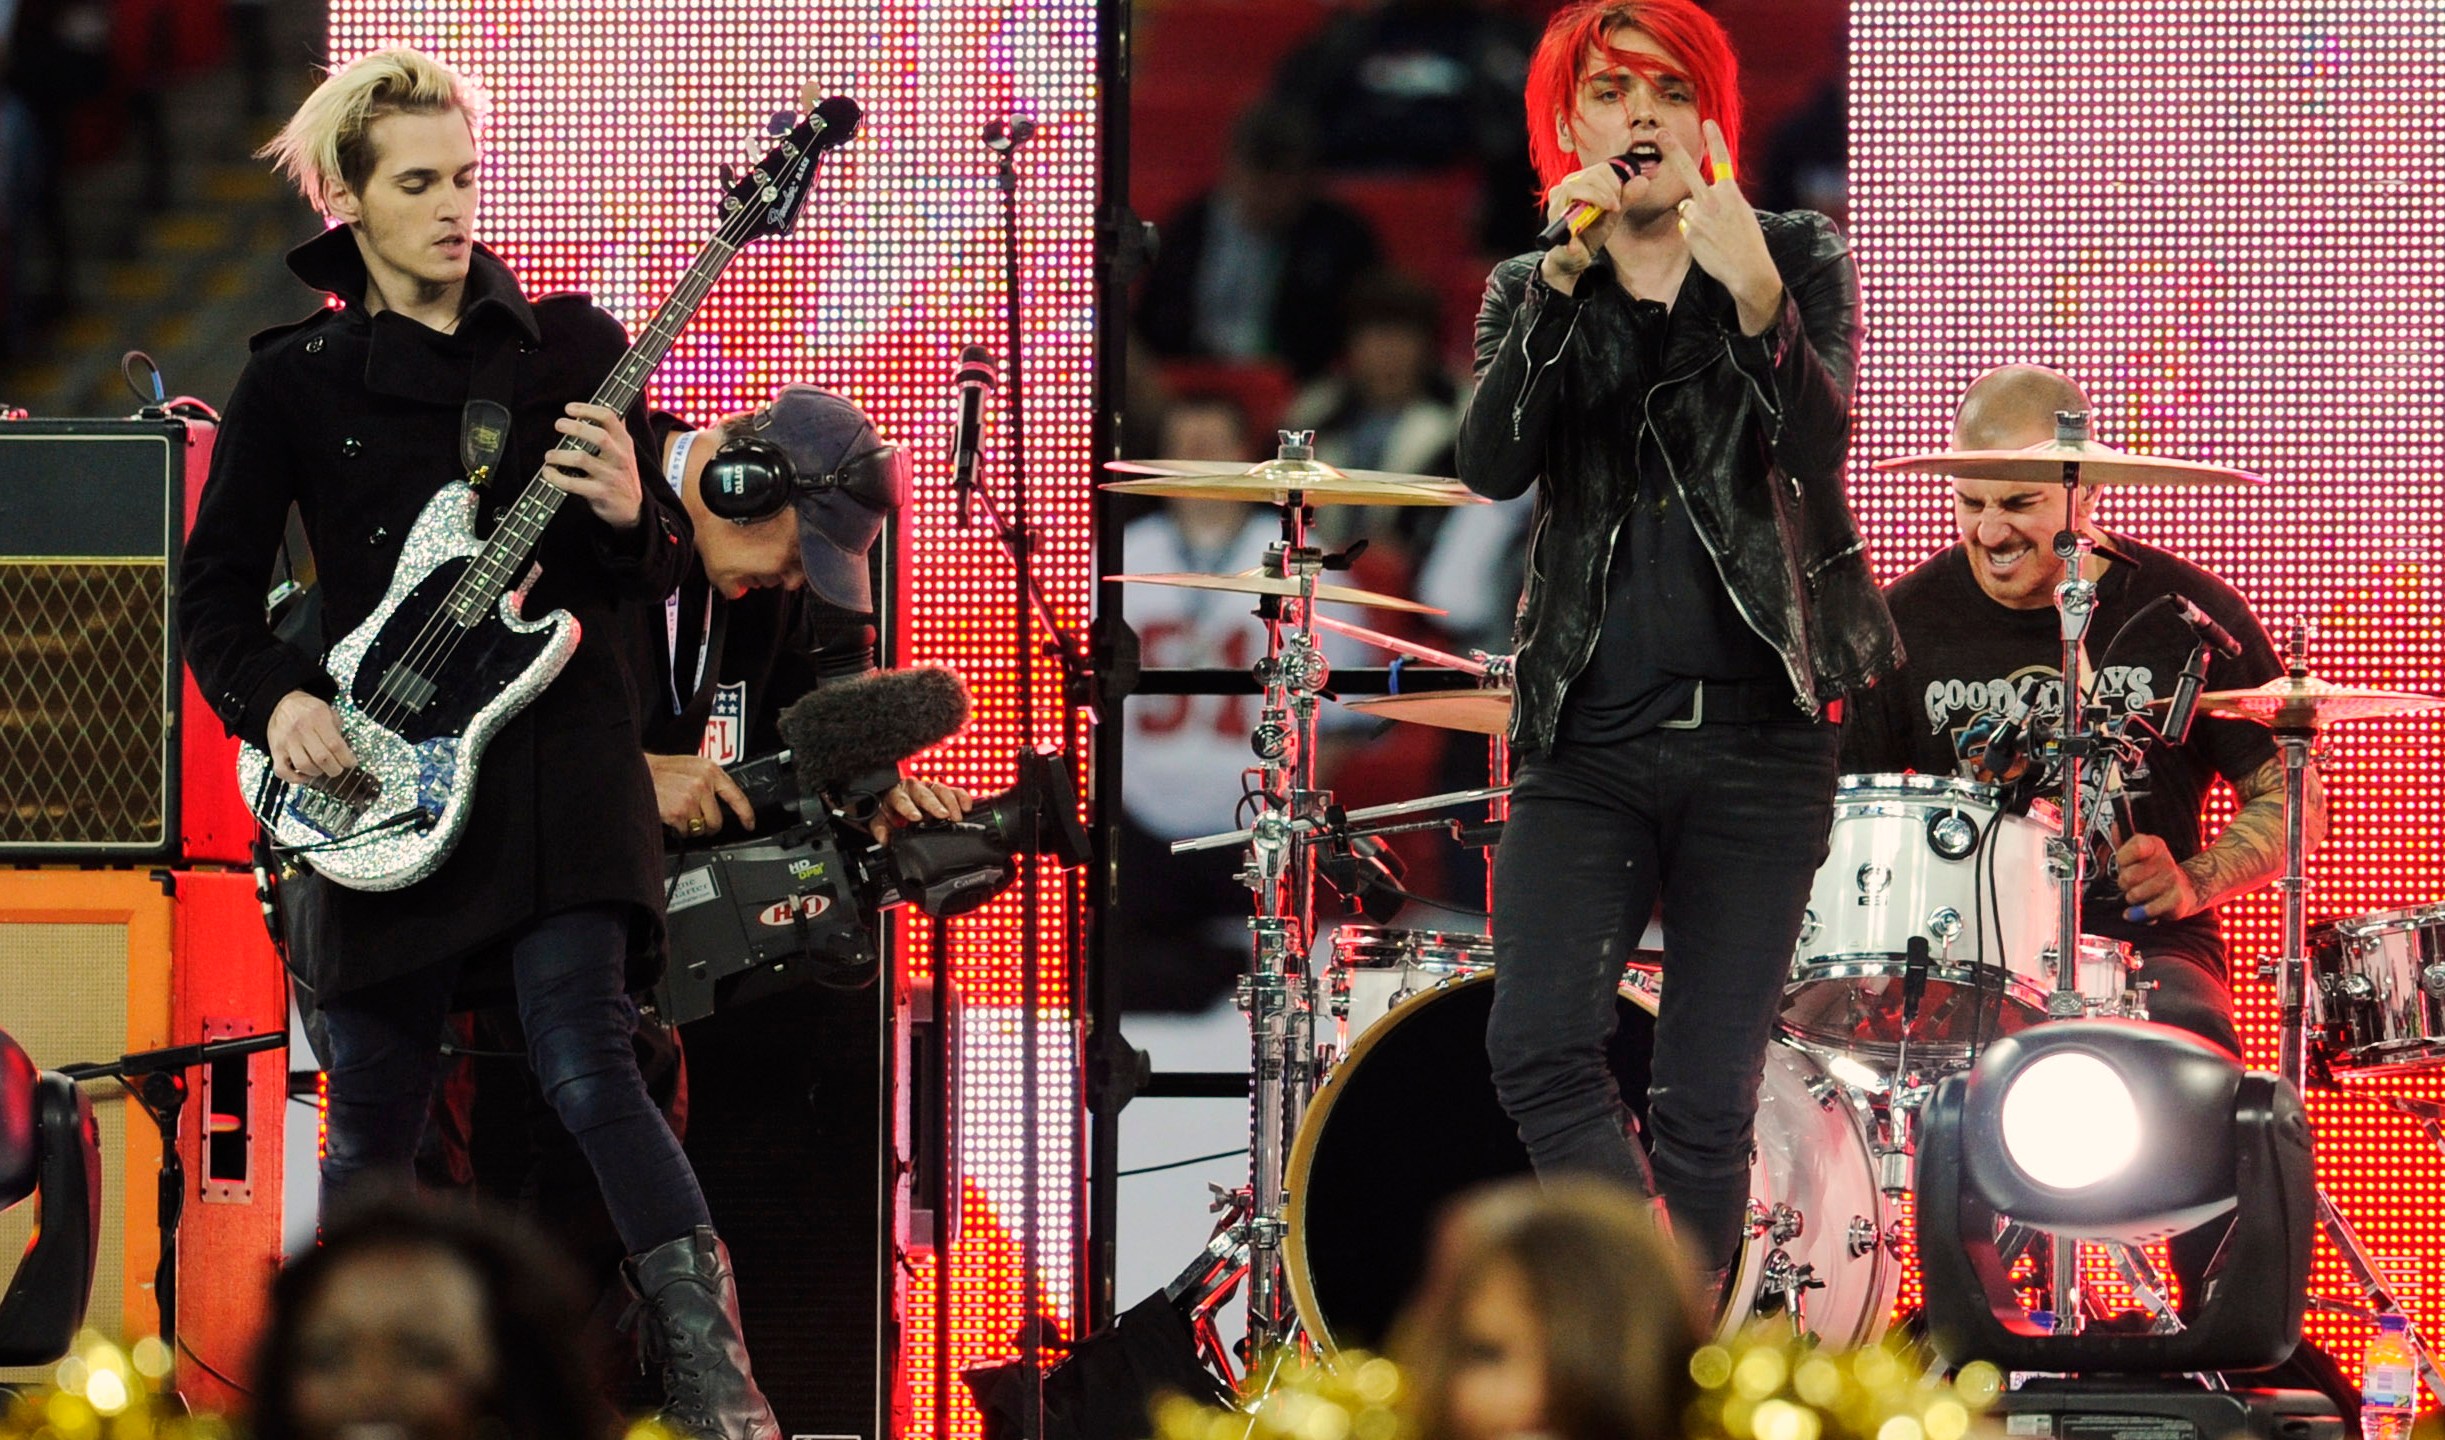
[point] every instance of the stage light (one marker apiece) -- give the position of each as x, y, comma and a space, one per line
2069, 1121
2122, 1131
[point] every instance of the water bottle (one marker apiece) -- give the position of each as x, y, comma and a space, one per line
2389, 1382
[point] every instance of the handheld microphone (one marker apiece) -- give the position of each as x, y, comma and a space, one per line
977, 373
1005, 135
854, 733
2205, 627
1581, 215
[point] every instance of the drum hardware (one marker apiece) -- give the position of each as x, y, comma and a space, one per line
2084, 740
2298, 707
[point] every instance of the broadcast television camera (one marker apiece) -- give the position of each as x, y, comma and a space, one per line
779, 909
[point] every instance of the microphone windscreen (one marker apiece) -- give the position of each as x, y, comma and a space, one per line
847, 728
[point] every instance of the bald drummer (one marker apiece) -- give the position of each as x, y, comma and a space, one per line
1984, 643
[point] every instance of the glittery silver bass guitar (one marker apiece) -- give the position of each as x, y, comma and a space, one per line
449, 656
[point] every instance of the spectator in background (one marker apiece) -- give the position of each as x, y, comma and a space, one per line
1404, 85
58, 54
422, 1322
1258, 268
1184, 931
1555, 1310
1389, 404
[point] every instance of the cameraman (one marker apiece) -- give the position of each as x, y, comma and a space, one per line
788, 501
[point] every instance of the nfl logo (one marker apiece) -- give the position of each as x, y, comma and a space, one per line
725, 739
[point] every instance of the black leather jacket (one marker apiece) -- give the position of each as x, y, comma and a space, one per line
1753, 429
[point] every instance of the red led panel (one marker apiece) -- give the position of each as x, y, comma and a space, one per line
2222, 217
609, 123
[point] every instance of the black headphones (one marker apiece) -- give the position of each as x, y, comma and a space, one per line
751, 479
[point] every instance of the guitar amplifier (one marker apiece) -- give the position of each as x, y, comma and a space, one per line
98, 760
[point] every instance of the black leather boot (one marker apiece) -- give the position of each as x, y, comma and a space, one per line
692, 1327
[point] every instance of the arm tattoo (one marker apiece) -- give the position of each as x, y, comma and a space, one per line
2250, 852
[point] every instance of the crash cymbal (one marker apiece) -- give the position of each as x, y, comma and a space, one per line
1480, 712
1257, 582
2304, 702
2043, 465
1275, 481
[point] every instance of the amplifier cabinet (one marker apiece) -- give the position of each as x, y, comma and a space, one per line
94, 744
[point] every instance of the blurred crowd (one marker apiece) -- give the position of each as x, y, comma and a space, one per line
83, 82
1319, 266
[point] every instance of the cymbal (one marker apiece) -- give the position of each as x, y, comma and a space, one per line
1275, 481
2043, 465
2304, 702
1480, 712
1257, 582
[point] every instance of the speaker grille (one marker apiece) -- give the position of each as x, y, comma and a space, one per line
66, 1002
84, 712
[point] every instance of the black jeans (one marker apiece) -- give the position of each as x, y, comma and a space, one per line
1726, 826
2189, 995
386, 1053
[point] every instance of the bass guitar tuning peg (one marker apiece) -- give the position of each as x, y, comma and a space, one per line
781, 122
730, 175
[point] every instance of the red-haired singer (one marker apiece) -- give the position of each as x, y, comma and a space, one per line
1673, 376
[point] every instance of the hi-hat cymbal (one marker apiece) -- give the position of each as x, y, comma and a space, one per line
2304, 702
1276, 481
1257, 582
2043, 465
1480, 712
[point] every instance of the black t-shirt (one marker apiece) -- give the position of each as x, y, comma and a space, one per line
1970, 656
1668, 620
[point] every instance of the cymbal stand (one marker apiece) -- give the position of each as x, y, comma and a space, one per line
1277, 993
2291, 975
2075, 602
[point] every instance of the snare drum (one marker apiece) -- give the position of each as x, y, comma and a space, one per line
2377, 991
1375, 969
1928, 857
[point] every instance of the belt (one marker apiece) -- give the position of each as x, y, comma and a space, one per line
1737, 702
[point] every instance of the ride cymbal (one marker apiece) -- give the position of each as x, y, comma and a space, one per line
1275, 481
1479, 712
2304, 702
1257, 582
2043, 465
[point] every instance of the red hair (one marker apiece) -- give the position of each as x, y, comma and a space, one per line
1680, 28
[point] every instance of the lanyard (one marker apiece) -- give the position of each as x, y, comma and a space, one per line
677, 473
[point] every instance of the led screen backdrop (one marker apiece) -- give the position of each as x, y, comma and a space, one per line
2221, 216
610, 121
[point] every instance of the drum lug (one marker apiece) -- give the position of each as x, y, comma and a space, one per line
1809, 926
1782, 1224
2432, 979
1861, 1238
1944, 924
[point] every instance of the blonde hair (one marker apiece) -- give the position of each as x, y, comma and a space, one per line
326, 139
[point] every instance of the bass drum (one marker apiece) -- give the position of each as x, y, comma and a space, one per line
1409, 1121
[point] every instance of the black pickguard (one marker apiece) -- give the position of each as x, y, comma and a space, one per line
425, 676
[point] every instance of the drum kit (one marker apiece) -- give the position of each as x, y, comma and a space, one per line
1932, 928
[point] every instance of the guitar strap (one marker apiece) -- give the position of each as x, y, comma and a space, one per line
483, 422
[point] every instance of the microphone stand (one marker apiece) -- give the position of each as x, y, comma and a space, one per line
1016, 532
156, 1080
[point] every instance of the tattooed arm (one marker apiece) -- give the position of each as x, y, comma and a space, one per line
2247, 855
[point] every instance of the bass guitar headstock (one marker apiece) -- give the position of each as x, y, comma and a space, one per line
767, 200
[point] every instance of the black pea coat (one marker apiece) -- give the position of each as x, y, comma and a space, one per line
355, 418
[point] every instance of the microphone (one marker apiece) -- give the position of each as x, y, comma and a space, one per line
1005, 135
2205, 627
1581, 215
849, 736
977, 373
